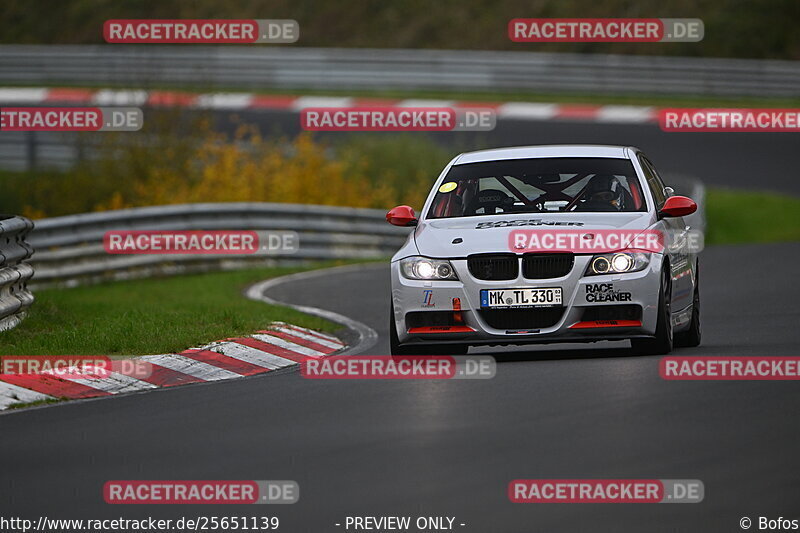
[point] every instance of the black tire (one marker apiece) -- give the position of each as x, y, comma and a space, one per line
692, 336
420, 349
661, 343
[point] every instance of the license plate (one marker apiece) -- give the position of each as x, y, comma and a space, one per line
499, 298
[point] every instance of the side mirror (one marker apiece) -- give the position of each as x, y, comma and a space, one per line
678, 206
402, 215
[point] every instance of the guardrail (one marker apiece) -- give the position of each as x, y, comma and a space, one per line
15, 298
260, 67
69, 249
32, 150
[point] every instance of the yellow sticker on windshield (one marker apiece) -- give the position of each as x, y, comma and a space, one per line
449, 186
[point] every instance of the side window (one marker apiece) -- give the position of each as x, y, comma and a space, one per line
653, 181
656, 174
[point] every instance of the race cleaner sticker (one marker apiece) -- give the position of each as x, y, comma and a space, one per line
604, 292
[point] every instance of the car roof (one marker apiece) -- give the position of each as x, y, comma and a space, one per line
554, 150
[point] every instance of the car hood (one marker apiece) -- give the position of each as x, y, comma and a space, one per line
488, 234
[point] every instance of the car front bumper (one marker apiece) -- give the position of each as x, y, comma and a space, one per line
602, 307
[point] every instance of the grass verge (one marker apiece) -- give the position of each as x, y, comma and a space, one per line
37, 403
735, 217
149, 316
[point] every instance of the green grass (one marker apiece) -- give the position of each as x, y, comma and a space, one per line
159, 315
734, 217
37, 403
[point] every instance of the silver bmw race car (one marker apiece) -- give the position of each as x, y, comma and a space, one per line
545, 244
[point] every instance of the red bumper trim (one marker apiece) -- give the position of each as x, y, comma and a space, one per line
440, 329
607, 324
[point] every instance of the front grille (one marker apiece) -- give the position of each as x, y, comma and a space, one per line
545, 266
421, 319
612, 312
535, 318
493, 267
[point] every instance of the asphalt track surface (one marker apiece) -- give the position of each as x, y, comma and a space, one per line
450, 448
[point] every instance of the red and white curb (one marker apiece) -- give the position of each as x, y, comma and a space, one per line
250, 101
280, 346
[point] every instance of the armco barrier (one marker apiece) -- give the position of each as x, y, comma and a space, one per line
69, 249
15, 298
285, 67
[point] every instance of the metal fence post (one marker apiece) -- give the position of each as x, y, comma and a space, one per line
30, 151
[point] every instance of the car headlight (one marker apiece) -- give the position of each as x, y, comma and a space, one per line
617, 263
427, 269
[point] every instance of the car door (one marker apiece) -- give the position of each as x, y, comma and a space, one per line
679, 259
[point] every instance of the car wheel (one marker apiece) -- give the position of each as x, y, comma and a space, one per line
661, 344
691, 337
420, 349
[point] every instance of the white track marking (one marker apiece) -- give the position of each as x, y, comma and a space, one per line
526, 110
367, 337
625, 113
252, 355
314, 333
304, 350
224, 101
12, 394
23, 95
320, 101
312, 338
186, 365
112, 97
111, 382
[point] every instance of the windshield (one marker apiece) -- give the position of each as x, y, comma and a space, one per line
539, 185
